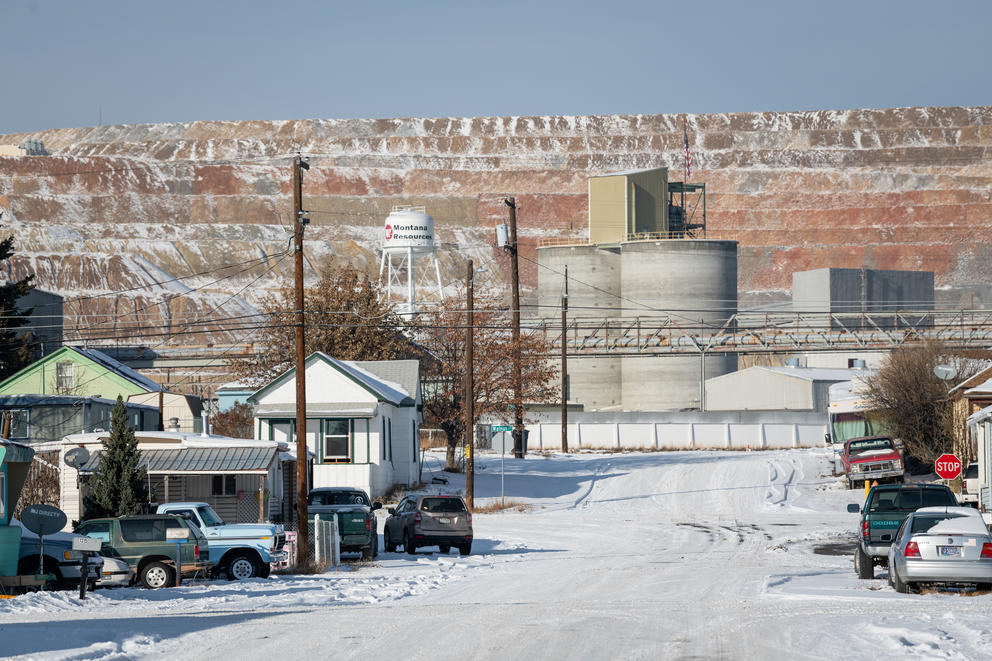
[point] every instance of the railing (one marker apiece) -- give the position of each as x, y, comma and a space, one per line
773, 332
563, 241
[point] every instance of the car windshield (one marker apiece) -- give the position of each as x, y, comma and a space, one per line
871, 444
442, 505
339, 498
925, 522
210, 517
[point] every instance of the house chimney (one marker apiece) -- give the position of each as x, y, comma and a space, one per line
173, 424
206, 423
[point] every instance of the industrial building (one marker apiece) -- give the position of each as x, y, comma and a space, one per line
789, 388
646, 258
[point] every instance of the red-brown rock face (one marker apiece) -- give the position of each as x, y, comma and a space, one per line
129, 209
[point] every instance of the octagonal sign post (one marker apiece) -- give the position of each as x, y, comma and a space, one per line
947, 466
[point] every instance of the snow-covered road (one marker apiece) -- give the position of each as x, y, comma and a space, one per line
620, 556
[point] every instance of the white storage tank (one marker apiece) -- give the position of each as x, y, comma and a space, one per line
695, 283
593, 292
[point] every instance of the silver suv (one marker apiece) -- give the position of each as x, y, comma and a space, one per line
425, 520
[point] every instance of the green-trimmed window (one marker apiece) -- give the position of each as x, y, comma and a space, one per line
336, 442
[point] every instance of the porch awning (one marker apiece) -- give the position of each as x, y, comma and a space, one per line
247, 460
321, 410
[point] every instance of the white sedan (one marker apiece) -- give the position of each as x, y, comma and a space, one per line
116, 573
941, 545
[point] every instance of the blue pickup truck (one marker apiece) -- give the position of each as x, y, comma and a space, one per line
238, 550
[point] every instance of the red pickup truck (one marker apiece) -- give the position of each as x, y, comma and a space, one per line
870, 458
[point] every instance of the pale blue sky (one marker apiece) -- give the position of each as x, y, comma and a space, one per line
180, 60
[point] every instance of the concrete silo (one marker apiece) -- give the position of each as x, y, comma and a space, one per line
693, 281
593, 291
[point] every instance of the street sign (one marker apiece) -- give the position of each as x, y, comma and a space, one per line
43, 519
499, 428
947, 466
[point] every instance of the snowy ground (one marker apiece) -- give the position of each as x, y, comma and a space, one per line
715, 555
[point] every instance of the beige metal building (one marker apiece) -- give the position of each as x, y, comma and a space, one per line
625, 204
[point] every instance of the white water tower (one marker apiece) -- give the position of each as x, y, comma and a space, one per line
408, 234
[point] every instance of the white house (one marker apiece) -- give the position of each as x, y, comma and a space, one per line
363, 420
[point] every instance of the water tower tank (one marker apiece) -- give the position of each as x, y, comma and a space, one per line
409, 229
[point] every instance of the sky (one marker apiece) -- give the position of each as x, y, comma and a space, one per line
70, 64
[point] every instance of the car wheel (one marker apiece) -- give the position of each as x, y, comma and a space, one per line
387, 542
850, 483
408, 545
156, 575
897, 583
983, 587
375, 546
465, 549
863, 564
444, 548
243, 566
265, 570
367, 552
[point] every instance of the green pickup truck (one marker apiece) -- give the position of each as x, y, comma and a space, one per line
886, 507
145, 543
355, 514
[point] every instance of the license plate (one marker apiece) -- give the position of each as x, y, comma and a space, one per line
949, 551
444, 519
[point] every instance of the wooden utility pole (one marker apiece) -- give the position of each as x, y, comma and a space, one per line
299, 221
564, 369
518, 400
470, 390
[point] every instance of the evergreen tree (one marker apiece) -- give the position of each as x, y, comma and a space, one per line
16, 349
117, 487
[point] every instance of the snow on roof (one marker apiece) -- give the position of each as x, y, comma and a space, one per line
119, 367
184, 439
981, 389
979, 416
966, 521
818, 373
388, 390
235, 385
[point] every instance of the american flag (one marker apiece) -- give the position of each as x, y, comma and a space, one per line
688, 156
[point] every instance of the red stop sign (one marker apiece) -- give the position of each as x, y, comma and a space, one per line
948, 466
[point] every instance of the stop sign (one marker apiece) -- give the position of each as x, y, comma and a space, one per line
947, 466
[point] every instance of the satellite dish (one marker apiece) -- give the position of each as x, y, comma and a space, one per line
945, 372
77, 457
43, 519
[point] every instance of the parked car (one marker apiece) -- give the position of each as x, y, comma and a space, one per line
238, 550
424, 520
116, 573
886, 507
872, 458
941, 545
59, 559
143, 543
357, 527
970, 489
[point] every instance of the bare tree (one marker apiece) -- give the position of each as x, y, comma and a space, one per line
236, 422
346, 316
442, 333
913, 402
42, 483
